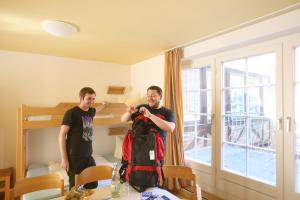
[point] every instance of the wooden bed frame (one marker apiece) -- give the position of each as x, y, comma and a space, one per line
49, 117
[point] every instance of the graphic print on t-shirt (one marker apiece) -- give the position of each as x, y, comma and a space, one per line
87, 124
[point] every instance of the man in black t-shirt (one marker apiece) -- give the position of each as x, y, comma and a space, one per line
75, 136
162, 118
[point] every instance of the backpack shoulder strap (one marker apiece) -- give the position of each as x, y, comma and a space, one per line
139, 189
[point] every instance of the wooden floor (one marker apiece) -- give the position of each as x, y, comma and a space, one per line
208, 196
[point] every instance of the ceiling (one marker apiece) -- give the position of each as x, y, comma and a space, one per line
122, 31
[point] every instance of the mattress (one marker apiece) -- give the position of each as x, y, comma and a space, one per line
112, 159
108, 160
37, 170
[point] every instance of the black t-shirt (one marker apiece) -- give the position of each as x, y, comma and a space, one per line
79, 137
163, 113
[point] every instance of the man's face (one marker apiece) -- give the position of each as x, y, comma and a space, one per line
88, 100
153, 98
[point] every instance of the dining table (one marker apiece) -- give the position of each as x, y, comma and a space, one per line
128, 193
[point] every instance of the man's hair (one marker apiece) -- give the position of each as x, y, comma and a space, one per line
86, 90
154, 87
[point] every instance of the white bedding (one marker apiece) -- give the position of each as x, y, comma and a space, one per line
54, 166
101, 160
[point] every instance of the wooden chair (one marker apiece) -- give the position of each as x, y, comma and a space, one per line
92, 174
6, 181
188, 189
37, 183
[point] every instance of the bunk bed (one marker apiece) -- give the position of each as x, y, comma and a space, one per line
49, 117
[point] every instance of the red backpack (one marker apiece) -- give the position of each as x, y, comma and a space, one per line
142, 154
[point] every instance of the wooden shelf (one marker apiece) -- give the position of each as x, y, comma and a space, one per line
115, 90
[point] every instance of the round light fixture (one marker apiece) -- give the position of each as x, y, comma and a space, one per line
59, 28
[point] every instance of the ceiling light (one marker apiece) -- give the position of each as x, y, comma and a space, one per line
59, 28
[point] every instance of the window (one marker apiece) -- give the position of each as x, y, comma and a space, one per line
197, 98
249, 111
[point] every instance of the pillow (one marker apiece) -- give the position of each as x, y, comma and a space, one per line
99, 159
118, 147
54, 167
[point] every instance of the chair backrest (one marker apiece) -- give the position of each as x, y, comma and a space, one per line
4, 186
9, 172
92, 174
6, 181
32, 184
184, 175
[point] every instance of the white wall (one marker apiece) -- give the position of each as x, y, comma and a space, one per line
39, 80
147, 73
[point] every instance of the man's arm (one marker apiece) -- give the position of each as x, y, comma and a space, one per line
101, 106
63, 147
162, 124
126, 116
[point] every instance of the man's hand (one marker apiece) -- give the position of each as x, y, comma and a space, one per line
145, 112
104, 104
101, 106
126, 116
62, 146
65, 164
132, 110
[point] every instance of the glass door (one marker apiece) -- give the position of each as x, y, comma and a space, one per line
292, 118
249, 117
249, 92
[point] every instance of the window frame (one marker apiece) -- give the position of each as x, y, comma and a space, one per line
198, 63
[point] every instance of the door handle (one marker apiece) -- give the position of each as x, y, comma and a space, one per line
212, 119
288, 121
279, 124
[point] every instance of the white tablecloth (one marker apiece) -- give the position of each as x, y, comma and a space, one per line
126, 194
